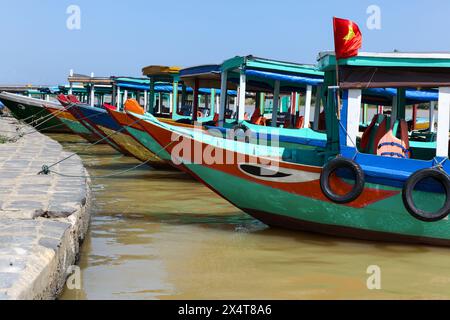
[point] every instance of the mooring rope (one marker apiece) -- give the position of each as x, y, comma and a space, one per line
46, 169
50, 117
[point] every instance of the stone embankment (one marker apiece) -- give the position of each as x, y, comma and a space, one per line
43, 218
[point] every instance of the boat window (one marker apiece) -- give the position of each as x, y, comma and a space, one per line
416, 128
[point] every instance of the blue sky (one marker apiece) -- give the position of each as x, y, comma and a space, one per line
120, 37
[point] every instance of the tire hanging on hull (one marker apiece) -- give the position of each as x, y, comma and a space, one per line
409, 187
331, 168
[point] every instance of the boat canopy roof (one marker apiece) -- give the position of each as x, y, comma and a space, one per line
161, 73
208, 76
384, 96
84, 79
253, 63
30, 89
384, 70
261, 74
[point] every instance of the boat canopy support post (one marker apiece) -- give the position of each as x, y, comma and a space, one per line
432, 116
114, 97
331, 112
353, 115
125, 96
263, 102
242, 94
365, 112
196, 100
317, 108
151, 100
92, 99
160, 98
308, 107
394, 112
213, 101
276, 102
443, 122
145, 98
401, 104
119, 103
223, 97
257, 101
183, 94
174, 104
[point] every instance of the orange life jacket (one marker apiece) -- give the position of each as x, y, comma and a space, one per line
299, 122
391, 146
132, 105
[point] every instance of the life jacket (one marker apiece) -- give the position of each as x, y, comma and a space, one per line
391, 146
299, 122
132, 105
261, 121
255, 116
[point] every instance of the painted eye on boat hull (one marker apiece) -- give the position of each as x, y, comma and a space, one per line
277, 174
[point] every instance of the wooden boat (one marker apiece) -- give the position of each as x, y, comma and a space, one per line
146, 142
32, 111
385, 196
205, 80
162, 80
98, 121
70, 121
88, 116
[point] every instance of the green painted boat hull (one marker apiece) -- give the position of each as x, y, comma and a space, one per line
385, 220
35, 115
280, 203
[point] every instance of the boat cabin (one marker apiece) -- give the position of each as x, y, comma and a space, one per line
397, 86
277, 88
161, 103
205, 83
94, 91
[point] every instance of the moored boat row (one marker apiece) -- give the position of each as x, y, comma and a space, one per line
290, 144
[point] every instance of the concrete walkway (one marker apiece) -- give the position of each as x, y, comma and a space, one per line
43, 218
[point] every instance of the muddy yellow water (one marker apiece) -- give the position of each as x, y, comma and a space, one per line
161, 235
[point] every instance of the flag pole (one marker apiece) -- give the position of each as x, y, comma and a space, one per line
338, 91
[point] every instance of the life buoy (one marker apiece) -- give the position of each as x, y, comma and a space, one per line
329, 182
411, 184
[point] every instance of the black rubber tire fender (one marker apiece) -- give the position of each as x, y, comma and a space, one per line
409, 187
243, 128
330, 168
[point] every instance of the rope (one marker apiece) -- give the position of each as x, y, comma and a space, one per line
439, 164
46, 169
50, 117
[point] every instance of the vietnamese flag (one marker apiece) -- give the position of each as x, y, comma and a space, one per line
347, 38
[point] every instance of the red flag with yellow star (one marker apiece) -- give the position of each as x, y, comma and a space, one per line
347, 38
